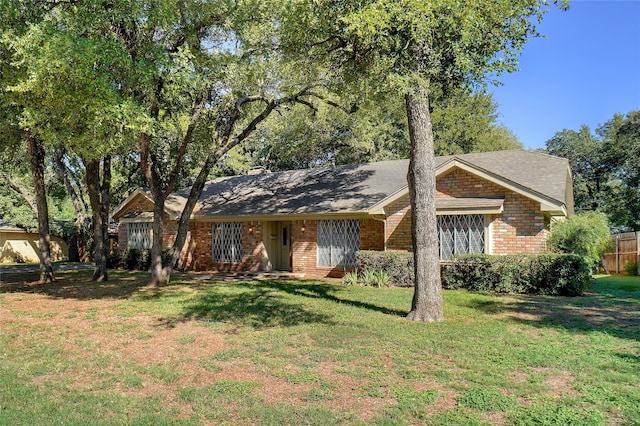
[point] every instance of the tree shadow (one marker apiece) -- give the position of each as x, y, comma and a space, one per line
264, 304
250, 304
76, 285
327, 292
616, 314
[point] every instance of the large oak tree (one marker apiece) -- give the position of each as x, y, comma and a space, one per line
410, 48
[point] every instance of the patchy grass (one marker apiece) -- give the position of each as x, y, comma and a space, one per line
208, 351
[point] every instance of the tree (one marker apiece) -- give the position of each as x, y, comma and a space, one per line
605, 167
375, 130
621, 152
584, 152
412, 48
585, 234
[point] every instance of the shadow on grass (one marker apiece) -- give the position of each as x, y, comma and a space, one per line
606, 309
76, 284
262, 304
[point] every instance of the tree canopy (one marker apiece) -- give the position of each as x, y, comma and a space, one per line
605, 167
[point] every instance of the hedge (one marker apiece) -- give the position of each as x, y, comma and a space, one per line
552, 274
134, 259
398, 265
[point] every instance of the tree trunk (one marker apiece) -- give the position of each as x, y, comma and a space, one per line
36, 161
100, 196
427, 296
77, 205
183, 225
159, 275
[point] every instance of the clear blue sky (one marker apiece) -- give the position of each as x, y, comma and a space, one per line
584, 71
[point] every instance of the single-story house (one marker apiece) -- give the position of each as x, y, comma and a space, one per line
17, 245
313, 221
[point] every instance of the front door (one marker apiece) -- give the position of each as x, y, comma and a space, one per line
283, 256
277, 245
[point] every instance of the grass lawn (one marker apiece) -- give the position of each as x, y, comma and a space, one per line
208, 351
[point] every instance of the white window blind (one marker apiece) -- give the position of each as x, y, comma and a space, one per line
139, 235
227, 242
338, 242
460, 234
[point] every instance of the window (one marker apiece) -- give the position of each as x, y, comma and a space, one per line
139, 235
227, 242
338, 242
460, 234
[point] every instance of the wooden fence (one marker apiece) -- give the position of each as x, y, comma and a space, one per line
625, 248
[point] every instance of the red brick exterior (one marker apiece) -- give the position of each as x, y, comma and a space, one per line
519, 229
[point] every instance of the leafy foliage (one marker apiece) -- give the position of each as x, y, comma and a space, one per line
552, 274
584, 234
398, 266
605, 166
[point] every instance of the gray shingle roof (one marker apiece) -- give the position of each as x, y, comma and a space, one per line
357, 188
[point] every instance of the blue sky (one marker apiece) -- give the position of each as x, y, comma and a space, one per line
584, 71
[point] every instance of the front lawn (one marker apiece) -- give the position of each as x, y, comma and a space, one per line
208, 351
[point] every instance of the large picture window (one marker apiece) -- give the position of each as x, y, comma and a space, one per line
227, 242
460, 234
338, 242
139, 235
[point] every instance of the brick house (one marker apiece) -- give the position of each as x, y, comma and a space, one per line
313, 221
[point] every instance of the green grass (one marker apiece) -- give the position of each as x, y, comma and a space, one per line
291, 352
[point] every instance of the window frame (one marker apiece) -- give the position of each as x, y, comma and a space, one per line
228, 233
456, 244
138, 238
340, 245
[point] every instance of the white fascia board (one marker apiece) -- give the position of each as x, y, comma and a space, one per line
472, 210
378, 208
129, 199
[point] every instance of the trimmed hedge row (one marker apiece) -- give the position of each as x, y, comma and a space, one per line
552, 274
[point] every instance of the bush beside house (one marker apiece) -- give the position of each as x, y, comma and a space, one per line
551, 274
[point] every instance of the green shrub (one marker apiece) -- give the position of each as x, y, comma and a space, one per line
553, 274
397, 267
140, 259
584, 234
350, 278
631, 268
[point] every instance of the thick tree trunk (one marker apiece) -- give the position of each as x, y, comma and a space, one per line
99, 196
36, 161
427, 296
159, 276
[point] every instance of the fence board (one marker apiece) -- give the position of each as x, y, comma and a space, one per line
625, 248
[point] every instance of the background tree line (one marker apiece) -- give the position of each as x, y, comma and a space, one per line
605, 167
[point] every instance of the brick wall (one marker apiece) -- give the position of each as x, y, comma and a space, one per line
399, 225
521, 226
201, 248
305, 246
142, 204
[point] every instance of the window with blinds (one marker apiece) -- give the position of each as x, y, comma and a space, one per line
227, 242
460, 234
139, 235
338, 242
